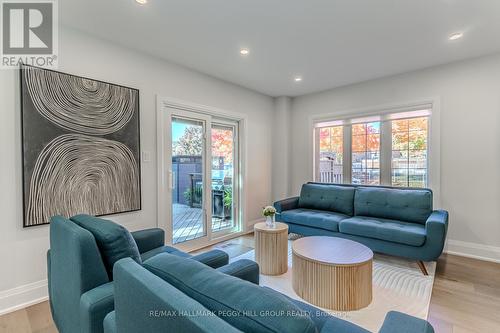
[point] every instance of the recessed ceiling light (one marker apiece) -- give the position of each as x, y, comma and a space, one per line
297, 78
456, 35
141, 2
244, 52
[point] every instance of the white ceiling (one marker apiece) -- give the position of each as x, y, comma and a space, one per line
329, 42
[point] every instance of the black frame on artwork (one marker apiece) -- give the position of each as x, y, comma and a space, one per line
23, 176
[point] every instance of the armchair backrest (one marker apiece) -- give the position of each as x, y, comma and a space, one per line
75, 266
146, 303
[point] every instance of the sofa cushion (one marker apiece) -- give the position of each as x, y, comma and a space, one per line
396, 204
333, 198
389, 230
325, 322
113, 240
164, 249
313, 218
232, 299
318, 316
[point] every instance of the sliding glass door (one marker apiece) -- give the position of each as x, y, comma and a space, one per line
224, 176
204, 177
188, 177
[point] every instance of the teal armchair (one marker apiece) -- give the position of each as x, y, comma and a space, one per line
76, 274
81, 292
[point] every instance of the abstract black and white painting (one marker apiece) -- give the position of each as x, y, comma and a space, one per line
81, 149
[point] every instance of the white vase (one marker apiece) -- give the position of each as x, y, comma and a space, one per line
270, 221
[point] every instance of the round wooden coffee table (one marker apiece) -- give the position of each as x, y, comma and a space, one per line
332, 273
271, 248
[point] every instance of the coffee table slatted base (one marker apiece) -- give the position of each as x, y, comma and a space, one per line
335, 287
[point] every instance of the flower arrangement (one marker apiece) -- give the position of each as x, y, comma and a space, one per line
269, 212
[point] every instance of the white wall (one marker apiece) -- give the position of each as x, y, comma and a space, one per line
22, 251
469, 94
281, 147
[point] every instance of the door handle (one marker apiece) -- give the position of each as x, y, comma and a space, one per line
171, 184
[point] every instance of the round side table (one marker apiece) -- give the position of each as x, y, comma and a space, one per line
271, 248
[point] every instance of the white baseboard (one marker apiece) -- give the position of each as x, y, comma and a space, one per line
473, 250
23, 296
250, 224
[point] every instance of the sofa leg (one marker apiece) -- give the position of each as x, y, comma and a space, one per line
421, 265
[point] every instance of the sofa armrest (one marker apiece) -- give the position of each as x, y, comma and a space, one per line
397, 322
244, 269
95, 304
286, 204
438, 221
149, 239
213, 258
110, 323
435, 230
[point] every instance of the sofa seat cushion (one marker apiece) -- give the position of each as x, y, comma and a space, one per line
113, 240
389, 230
234, 300
335, 198
313, 218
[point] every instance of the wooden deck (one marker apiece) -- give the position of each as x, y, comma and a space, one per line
188, 223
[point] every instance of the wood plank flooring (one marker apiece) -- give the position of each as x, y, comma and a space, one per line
465, 298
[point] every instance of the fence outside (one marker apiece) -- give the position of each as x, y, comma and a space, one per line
329, 172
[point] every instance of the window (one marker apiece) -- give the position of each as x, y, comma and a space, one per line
366, 153
385, 149
409, 152
330, 154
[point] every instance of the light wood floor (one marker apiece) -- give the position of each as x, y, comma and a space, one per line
465, 298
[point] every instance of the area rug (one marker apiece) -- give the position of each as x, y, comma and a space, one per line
398, 285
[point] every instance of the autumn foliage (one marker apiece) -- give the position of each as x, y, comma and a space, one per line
191, 143
366, 137
222, 144
406, 134
409, 134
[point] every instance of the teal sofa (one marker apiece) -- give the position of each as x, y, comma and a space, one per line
184, 296
394, 221
81, 290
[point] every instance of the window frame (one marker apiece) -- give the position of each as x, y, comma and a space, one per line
317, 157
385, 115
367, 151
408, 150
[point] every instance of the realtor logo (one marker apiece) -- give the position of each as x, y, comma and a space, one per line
29, 33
